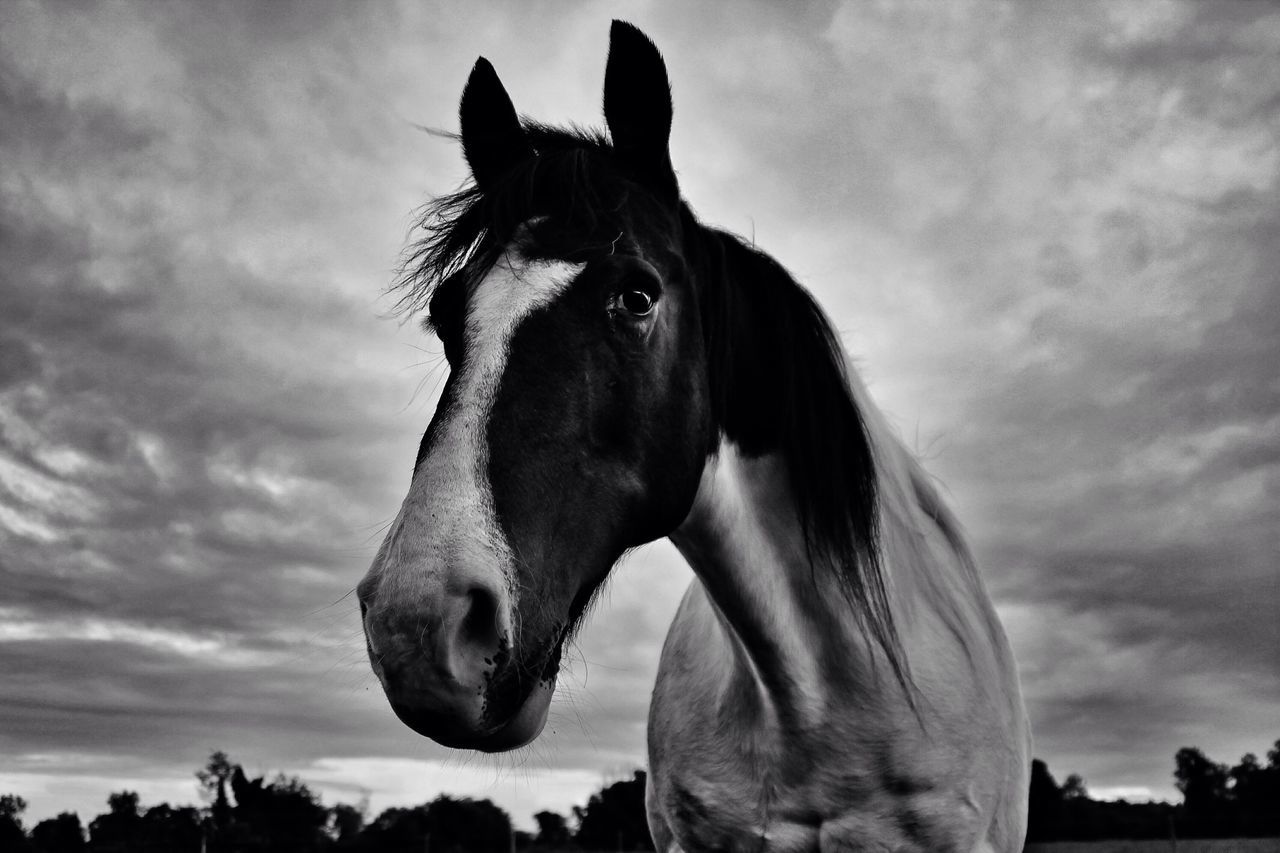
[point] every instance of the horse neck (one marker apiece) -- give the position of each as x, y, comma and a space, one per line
788, 625
787, 396
922, 543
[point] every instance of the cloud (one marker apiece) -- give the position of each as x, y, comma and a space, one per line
1108, 280
80, 784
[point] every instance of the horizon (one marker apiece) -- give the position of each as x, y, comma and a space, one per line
1120, 795
517, 824
1048, 238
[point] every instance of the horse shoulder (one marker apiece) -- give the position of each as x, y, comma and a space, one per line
700, 782
689, 672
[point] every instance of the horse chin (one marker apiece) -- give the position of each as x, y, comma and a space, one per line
520, 729
527, 723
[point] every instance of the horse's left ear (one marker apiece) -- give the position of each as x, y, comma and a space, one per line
637, 107
493, 141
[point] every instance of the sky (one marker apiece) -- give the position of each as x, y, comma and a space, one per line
1049, 234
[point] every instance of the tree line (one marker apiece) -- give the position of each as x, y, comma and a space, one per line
1218, 801
283, 815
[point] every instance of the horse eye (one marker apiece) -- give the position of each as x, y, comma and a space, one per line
636, 302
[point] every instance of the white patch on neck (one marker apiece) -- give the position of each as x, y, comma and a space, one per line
743, 539
448, 520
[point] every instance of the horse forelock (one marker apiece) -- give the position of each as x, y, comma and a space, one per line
572, 181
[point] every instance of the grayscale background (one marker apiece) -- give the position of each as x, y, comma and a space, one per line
1048, 231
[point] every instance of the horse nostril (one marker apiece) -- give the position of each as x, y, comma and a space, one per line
480, 625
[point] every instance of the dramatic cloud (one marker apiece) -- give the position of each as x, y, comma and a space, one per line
1049, 232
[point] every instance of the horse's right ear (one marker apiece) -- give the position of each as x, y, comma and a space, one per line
637, 107
493, 140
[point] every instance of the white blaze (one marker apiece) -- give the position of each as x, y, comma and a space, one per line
448, 517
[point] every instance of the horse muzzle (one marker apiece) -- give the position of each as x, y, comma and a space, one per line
444, 658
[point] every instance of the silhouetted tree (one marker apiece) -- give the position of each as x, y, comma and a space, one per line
447, 824
12, 806
397, 830
172, 830
1044, 807
214, 778
1067, 813
61, 834
284, 816
1245, 777
345, 824
125, 803
468, 826
553, 830
120, 829
1254, 795
1203, 784
1266, 794
281, 816
614, 818
1074, 789
12, 835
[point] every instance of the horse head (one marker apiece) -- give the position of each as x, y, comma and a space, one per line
575, 421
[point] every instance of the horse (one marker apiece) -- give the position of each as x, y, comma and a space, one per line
836, 676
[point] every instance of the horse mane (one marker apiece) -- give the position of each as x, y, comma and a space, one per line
781, 383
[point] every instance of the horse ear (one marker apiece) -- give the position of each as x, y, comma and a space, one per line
492, 139
637, 106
